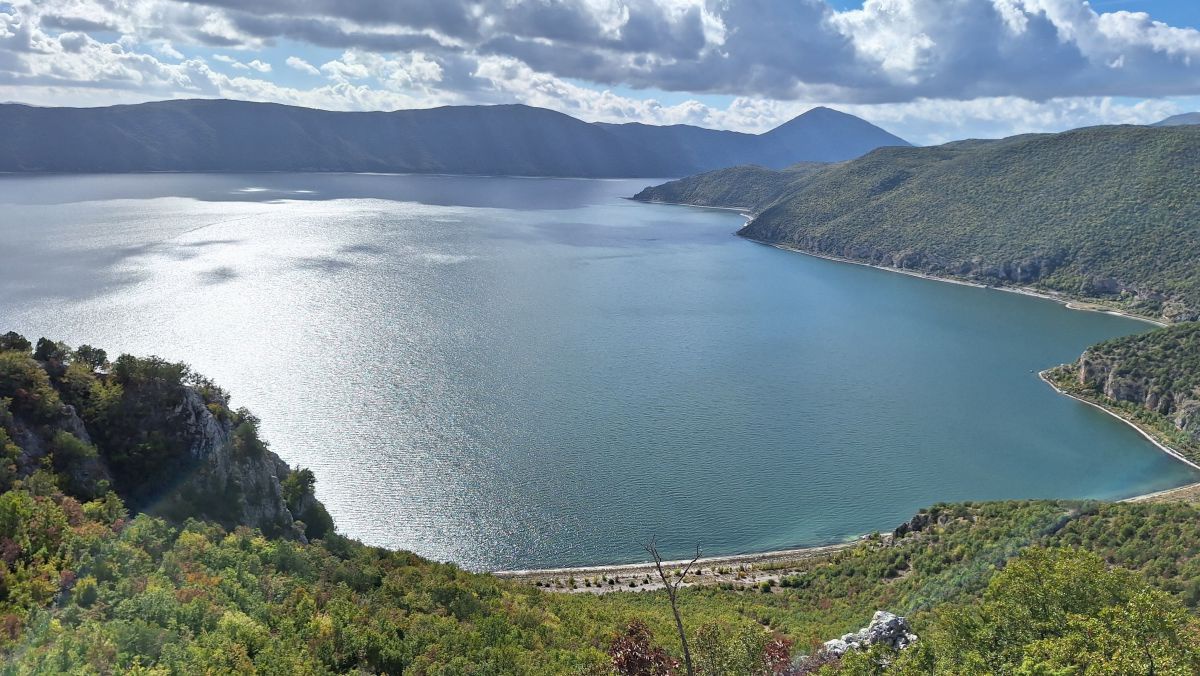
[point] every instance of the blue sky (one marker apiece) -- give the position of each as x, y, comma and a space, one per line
929, 70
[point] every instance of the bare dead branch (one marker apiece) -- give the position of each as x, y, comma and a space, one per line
672, 587
691, 563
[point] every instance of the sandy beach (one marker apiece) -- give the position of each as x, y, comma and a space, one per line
737, 569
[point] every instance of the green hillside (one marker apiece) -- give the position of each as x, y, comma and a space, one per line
743, 187
181, 584
1105, 213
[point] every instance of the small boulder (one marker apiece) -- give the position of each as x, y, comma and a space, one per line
886, 628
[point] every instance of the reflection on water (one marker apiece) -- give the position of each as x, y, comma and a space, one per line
463, 191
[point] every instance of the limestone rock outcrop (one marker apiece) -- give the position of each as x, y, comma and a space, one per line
886, 628
248, 482
1138, 380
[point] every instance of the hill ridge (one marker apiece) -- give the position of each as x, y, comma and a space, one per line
1101, 213
504, 139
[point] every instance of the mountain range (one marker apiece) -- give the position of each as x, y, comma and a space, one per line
518, 140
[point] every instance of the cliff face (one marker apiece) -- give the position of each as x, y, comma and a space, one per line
1157, 371
1024, 270
164, 439
40, 443
1102, 374
225, 482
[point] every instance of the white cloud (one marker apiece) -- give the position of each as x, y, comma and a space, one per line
164, 47
254, 65
413, 71
345, 69
887, 51
259, 66
302, 65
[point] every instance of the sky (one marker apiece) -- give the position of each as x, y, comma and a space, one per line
928, 70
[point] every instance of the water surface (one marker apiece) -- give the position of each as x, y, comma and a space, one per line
526, 372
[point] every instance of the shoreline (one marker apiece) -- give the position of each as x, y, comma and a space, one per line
1068, 302
741, 570
759, 566
1071, 303
1174, 453
770, 556
745, 212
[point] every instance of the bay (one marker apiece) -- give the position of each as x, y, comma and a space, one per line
515, 372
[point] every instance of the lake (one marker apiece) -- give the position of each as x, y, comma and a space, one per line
510, 372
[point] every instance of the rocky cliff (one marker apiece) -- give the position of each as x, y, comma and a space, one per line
1134, 371
224, 481
1155, 376
165, 439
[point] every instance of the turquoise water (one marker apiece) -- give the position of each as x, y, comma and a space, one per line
523, 372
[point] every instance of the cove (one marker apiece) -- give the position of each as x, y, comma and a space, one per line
517, 373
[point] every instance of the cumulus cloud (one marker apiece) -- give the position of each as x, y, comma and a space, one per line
1036, 49
889, 50
164, 47
927, 69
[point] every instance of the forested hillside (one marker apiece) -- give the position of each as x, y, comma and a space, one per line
121, 551
748, 187
1105, 213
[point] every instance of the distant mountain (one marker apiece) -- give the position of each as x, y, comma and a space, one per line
819, 135
1176, 120
221, 135
1108, 213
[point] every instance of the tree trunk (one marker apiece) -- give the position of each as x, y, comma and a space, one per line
687, 654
